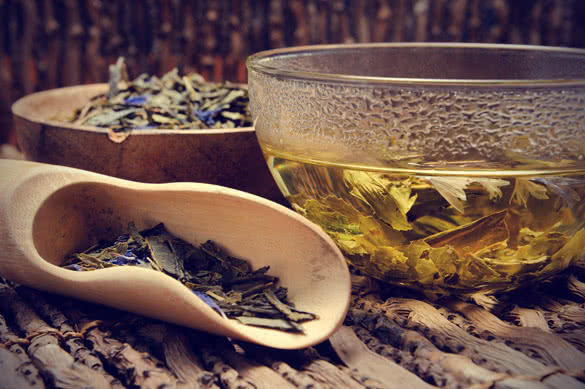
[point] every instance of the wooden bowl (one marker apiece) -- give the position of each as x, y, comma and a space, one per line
227, 157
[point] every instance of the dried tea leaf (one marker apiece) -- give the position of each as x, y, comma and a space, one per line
279, 324
162, 251
286, 310
109, 117
118, 74
232, 115
163, 119
225, 283
171, 102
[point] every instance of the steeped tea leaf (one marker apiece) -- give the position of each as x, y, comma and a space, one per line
492, 186
441, 233
524, 188
453, 188
473, 236
563, 187
390, 203
572, 251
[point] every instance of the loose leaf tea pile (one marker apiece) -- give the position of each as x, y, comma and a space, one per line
171, 102
227, 284
444, 234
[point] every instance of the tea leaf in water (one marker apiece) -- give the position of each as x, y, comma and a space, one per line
563, 187
442, 234
390, 202
573, 250
453, 188
524, 187
473, 236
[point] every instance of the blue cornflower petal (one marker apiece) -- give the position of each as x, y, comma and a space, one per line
207, 116
123, 260
144, 127
75, 266
137, 100
130, 253
209, 301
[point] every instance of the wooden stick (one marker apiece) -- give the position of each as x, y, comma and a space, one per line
94, 61
421, 16
383, 18
362, 22
56, 364
182, 360
505, 358
551, 347
16, 368
301, 33
356, 355
73, 340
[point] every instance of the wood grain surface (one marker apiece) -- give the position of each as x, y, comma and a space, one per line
391, 338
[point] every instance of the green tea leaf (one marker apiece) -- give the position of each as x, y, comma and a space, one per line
524, 187
333, 214
453, 188
570, 252
473, 236
286, 310
390, 202
279, 324
227, 284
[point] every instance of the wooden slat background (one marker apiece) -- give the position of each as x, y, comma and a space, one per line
50, 43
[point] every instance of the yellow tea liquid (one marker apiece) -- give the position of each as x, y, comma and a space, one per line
442, 232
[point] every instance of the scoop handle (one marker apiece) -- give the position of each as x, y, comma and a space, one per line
24, 185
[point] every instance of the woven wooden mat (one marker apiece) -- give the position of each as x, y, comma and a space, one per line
392, 338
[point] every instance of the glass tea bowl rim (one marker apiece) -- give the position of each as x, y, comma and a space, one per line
256, 63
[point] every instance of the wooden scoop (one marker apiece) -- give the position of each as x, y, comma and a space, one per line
48, 212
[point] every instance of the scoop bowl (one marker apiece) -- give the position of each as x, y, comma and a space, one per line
48, 212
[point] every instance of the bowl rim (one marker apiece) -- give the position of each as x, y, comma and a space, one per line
20, 109
254, 64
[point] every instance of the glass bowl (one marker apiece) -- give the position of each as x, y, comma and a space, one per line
451, 168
